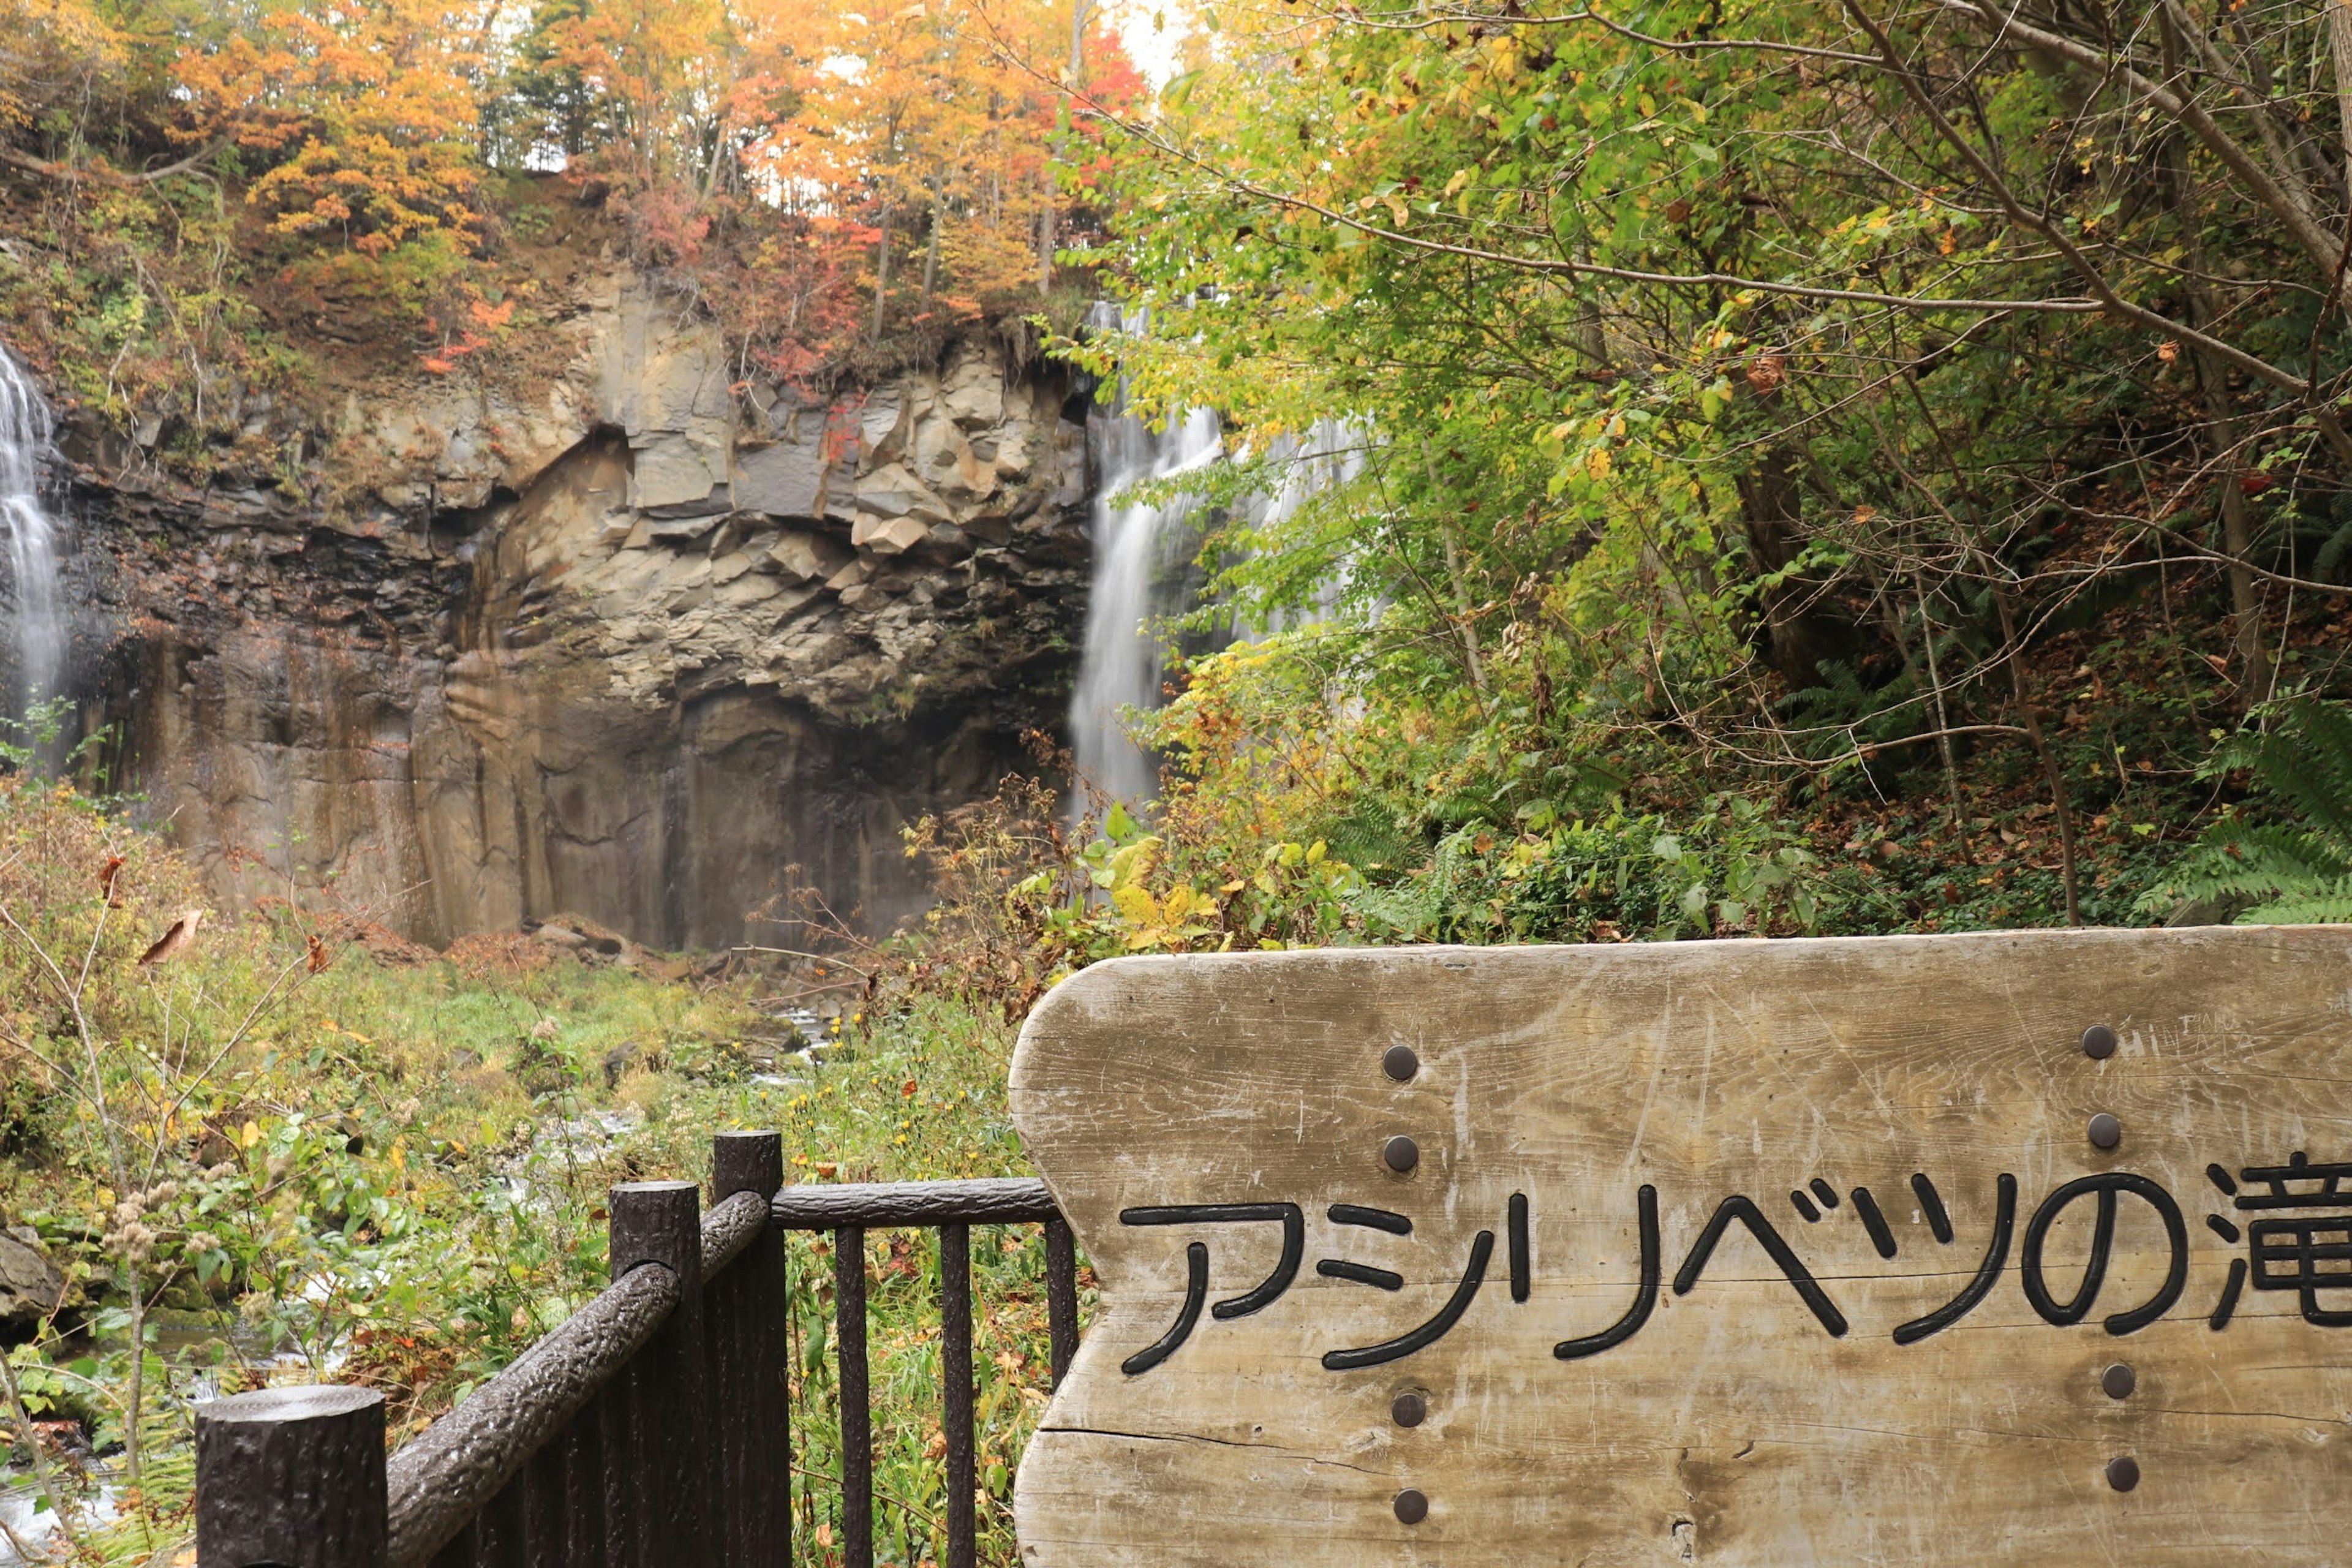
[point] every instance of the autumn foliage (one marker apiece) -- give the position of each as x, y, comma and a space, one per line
832, 180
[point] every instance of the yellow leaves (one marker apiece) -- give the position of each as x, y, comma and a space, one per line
1181, 915
1172, 919
1461, 177
1598, 464
1132, 862
56, 49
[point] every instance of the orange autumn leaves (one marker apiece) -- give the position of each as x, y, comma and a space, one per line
823, 171
362, 114
890, 162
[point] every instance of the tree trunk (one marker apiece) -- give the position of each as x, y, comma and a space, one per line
2339, 45
2237, 526
2213, 384
881, 277
1802, 631
931, 255
2029, 720
1045, 216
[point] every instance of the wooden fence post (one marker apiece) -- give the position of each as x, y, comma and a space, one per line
749, 1324
291, 1478
657, 1465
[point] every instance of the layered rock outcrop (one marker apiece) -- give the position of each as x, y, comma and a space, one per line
634, 638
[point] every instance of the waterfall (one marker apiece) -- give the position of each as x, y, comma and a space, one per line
1142, 568
1141, 559
1141, 574
39, 625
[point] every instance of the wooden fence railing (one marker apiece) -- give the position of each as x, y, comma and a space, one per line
653, 1429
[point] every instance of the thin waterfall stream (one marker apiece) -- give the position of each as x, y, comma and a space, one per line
40, 620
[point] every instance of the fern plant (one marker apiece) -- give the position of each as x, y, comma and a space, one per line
2278, 873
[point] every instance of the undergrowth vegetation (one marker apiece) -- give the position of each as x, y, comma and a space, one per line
266, 1153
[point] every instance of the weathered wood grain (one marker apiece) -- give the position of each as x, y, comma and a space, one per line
1732, 1428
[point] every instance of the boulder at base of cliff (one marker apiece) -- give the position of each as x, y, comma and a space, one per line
30, 1286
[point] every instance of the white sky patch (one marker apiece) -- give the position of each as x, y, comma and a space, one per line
1154, 31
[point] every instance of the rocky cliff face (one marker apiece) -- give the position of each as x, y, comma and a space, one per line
631, 638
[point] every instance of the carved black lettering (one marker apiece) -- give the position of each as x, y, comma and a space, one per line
1996, 1257
1645, 1295
1740, 1207
1361, 1273
1481, 1252
2227, 1307
2105, 1186
1196, 1291
1521, 1265
1931, 1203
1874, 1222
1292, 1218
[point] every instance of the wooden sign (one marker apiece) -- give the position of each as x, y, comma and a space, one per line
2004, 1248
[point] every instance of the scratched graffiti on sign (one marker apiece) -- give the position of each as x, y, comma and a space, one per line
1758, 1253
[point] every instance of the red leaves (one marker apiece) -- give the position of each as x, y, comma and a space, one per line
106, 876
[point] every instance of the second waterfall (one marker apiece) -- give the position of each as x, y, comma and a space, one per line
1141, 574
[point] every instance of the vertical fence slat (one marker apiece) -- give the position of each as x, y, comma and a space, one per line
583, 1488
1061, 1294
856, 1415
498, 1529
460, 1553
955, 1374
661, 1223
750, 1328
546, 1509
618, 1471
647, 1542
